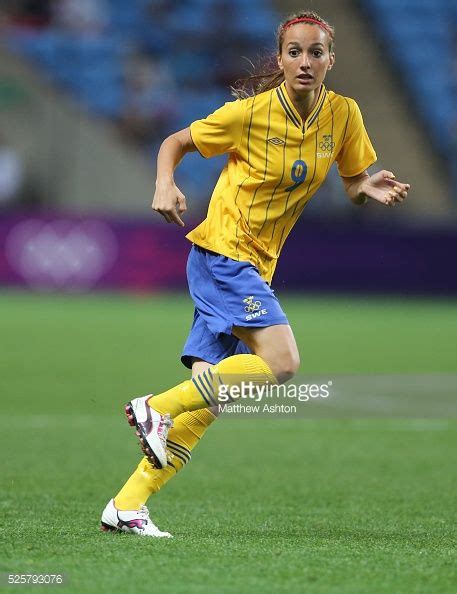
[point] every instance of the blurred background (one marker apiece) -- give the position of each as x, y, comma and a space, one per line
89, 89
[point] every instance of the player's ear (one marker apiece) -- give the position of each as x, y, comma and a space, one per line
279, 58
332, 61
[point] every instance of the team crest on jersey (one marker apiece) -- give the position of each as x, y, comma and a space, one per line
276, 141
251, 305
326, 145
253, 308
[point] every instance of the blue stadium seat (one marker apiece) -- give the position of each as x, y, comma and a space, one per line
199, 175
419, 36
180, 35
198, 104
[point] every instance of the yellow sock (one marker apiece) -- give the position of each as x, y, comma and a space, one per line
201, 390
187, 431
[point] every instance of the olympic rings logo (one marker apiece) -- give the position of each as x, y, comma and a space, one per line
251, 305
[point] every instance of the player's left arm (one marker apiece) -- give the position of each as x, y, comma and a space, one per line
381, 186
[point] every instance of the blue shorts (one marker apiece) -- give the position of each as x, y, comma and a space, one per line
226, 293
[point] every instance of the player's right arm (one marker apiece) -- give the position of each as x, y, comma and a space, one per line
168, 200
220, 132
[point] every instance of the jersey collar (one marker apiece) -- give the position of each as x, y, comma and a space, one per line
293, 114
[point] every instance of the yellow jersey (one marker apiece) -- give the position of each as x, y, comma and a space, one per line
276, 162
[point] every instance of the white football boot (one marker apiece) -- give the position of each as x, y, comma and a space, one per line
151, 428
135, 522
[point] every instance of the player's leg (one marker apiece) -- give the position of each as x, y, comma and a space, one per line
198, 367
276, 345
273, 357
188, 429
201, 345
275, 360
218, 286
127, 511
151, 415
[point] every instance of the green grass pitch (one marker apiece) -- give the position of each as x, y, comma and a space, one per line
318, 505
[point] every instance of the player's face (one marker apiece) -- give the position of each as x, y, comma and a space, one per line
305, 57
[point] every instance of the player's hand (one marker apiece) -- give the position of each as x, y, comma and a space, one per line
383, 187
170, 202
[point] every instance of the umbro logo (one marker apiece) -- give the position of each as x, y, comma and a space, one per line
277, 141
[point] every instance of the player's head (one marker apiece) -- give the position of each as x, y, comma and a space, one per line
305, 41
308, 17
305, 50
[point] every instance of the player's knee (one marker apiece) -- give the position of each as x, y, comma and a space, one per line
286, 365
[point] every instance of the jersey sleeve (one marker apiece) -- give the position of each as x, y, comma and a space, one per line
221, 131
357, 152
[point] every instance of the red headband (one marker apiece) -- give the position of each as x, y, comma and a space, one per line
308, 20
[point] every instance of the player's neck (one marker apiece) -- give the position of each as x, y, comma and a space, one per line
303, 102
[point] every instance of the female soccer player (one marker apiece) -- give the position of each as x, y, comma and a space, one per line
281, 142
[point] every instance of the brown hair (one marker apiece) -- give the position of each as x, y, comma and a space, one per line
270, 76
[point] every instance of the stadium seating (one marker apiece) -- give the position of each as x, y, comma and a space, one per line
179, 35
419, 37
82, 62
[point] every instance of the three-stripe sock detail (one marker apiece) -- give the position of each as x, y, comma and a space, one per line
204, 382
179, 451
